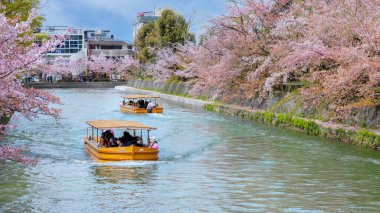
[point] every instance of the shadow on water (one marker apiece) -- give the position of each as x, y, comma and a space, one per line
13, 186
140, 173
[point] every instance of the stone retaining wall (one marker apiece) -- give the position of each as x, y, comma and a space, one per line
45, 85
174, 87
369, 138
178, 99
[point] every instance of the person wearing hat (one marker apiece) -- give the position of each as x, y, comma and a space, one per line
154, 144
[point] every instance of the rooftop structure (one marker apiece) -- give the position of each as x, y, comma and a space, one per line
143, 18
102, 42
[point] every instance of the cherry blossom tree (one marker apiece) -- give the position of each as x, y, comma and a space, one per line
21, 53
234, 44
167, 62
102, 65
125, 64
335, 46
259, 46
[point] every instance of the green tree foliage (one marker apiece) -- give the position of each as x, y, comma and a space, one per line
172, 28
147, 38
169, 29
21, 9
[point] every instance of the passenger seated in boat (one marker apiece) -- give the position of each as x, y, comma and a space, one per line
141, 103
146, 104
126, 139
112, 142
130, 102
154, 143
119, 142
124, 102
139, 142
135, 139
108, 139
103, 140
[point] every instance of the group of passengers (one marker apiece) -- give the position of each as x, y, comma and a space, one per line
108, 139
141, 104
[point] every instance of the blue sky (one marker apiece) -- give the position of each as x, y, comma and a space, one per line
117, 15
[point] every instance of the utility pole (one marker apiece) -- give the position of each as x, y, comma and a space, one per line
154, 7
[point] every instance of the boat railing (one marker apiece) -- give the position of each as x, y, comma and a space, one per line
91, 135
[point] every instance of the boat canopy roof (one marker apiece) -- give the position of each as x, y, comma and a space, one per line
119, 124
139, 96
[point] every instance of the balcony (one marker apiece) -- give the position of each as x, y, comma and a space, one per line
111, 53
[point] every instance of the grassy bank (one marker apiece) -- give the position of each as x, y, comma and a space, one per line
351, 134
359, 136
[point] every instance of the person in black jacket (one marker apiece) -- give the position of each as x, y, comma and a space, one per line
126, 139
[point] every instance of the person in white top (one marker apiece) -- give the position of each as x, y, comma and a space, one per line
150, 107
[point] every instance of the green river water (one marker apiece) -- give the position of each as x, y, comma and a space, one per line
207, 163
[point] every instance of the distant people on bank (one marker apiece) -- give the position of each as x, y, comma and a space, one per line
154, 143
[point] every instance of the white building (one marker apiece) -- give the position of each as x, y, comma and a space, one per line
81, 43
73, 47
102, 42
74, 43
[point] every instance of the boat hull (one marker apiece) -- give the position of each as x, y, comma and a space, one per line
136, 110
120, 153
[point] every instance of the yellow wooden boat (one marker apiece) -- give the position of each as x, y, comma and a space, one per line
132, 104
94, 148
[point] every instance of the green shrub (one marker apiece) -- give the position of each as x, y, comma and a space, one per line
268, 117
209, 107
367, 139
202, 97
340, 133
284, 119
309, 127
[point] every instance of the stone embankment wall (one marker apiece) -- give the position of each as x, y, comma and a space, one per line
174, 87
74, 85
175, 98
283, 117
280, 102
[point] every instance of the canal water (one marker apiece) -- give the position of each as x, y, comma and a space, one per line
208, 162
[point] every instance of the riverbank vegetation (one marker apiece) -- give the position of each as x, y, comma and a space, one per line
358, 136
326, 50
